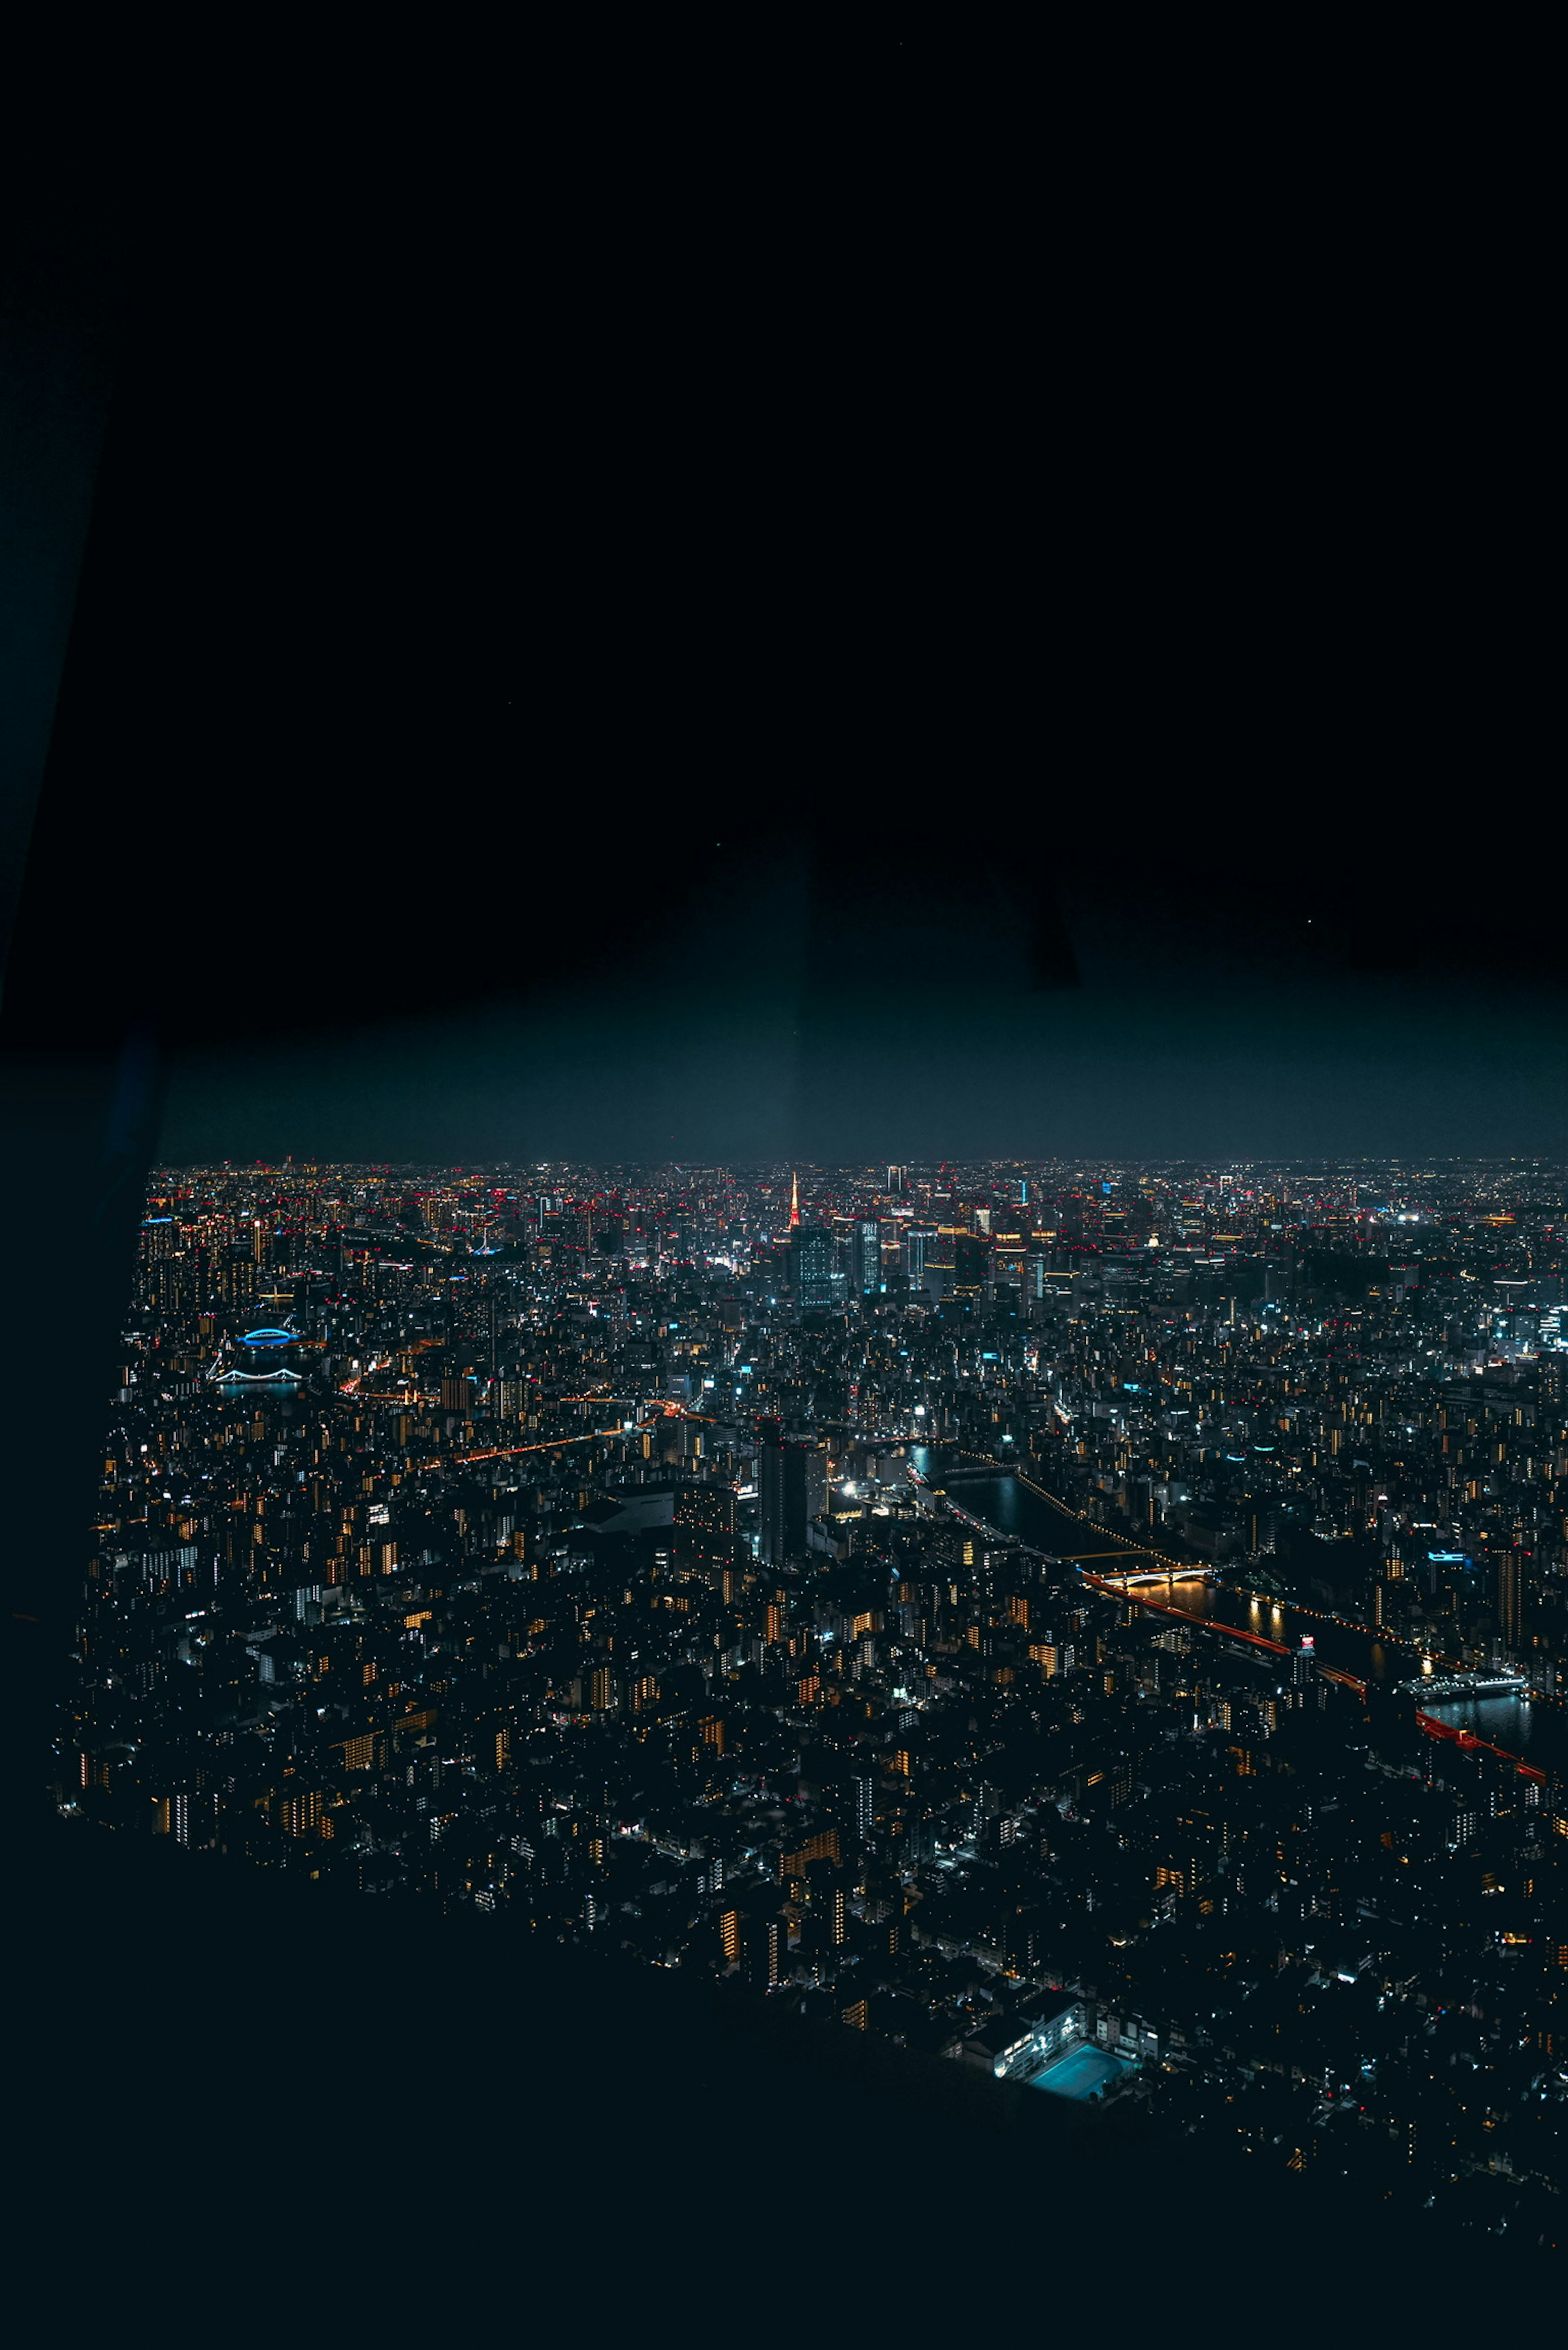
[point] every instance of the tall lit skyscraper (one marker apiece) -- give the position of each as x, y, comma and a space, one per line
814, 1266
865, 1256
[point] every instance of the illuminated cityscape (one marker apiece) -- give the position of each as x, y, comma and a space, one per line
1103, 1627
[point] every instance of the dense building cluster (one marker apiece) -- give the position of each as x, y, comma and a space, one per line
739, 1567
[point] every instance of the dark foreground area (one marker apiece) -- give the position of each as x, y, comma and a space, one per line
239, 2098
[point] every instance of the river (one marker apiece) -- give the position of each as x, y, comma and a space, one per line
1538, 1732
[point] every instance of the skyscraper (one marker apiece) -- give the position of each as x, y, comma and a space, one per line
771, 1507
814, 1473
865, 1256
791, 1490
1510, 1598
863, 1791
814, 1266
969, 1265
781, 1512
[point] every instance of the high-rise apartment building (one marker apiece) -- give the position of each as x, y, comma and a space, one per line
1511, 1598
791, 1490
863, 1792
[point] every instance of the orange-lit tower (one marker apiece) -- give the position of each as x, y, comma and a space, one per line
793, 1201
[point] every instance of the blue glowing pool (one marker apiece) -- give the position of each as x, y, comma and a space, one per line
1085, 2072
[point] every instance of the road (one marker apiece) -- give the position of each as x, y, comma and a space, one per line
1529, 1728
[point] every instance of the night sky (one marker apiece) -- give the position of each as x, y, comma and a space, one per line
796, 1004
525, 702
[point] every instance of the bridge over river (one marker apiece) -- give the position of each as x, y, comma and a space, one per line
1007, 1500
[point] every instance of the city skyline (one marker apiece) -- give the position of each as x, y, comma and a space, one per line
1094, 1627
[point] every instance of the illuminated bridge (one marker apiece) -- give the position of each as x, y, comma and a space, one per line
1130, 1578
1503, 1683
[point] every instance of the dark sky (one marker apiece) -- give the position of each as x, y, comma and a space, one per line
768, 674
830, 1007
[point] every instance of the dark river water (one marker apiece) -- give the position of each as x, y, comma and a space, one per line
1539, 1733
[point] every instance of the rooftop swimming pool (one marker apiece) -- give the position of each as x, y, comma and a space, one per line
1084, 2071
